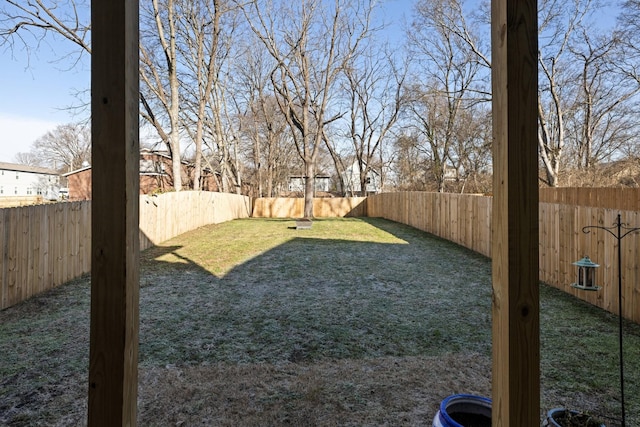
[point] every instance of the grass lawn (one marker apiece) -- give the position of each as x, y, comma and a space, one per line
357, 321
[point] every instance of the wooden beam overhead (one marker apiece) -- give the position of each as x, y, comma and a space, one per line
516, 329
113, 379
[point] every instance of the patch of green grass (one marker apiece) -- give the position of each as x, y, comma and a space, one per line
220, 248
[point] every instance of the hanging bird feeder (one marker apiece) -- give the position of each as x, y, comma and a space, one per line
586, 278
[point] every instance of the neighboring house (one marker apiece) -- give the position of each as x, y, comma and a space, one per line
351, 180
79, 184
297, 182
28, 181
156, 175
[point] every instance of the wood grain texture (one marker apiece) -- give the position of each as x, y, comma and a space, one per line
516, 329
113, 365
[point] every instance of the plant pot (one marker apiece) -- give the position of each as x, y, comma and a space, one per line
562, 417
464, 410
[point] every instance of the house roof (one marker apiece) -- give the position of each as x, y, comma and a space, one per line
143, 151
24, 168
76, 171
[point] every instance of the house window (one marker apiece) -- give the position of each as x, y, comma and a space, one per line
368, 180
2, 189
15, 191
17, 175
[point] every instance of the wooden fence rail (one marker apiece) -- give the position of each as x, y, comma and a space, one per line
44, 246
466, 220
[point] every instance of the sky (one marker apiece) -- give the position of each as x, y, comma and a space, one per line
36, 93
38, 87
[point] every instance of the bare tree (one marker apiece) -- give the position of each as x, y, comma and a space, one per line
558, 22
269, 150
66, 148
311, 42
451, 78
71, 20
605, 118
208, 31
23, 22
29, 159
629, 36
471, 157
159, 77
409, 165
374, 84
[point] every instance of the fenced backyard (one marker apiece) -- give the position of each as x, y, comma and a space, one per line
252, 322
47, 245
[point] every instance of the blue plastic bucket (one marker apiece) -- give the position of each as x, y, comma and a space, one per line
464, 410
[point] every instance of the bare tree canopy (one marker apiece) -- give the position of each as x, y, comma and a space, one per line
451, 79
66, 148
23, 23
257, 91
312, 42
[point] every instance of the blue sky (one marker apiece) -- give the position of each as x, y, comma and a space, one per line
36, 90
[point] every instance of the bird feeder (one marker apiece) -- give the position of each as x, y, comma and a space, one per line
586, 279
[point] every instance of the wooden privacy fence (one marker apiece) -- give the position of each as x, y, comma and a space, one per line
47, 245
562, 242
460, 218
44, 246
466, 220
274, 207
171, 214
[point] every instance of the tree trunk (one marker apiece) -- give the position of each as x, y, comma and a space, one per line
309, 187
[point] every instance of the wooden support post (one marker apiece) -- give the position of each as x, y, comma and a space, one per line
113, 377
516, 328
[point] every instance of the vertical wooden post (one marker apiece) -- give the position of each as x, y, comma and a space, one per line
113, 378
516, 329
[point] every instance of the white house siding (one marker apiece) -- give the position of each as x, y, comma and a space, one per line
27, 181
351, 179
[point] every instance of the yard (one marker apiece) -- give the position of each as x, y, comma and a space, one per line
354, 322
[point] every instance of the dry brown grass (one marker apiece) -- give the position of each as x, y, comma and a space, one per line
380, 391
